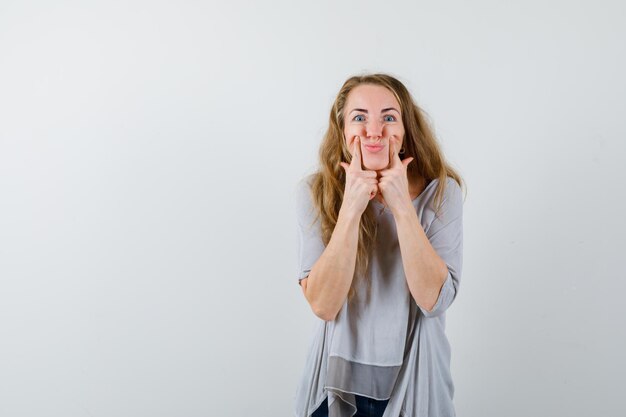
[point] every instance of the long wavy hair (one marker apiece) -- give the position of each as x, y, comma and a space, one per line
328, 183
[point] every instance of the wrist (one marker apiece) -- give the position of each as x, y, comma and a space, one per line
348, 216
407, 212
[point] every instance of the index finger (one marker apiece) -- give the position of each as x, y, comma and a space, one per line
356, 155
392, 152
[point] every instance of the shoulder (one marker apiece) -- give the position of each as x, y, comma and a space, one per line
453, 191
452, 201
306, 181
303, 188
450, 190
444, 199
303, 197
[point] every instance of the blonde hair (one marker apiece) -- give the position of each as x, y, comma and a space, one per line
328, 183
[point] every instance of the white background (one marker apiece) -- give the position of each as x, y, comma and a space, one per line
148, 157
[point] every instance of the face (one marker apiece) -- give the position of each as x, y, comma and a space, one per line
373, 114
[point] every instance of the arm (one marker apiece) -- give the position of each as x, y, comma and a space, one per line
425, 270
331, 276
432, 260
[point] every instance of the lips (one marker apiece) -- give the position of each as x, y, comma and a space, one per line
374, 149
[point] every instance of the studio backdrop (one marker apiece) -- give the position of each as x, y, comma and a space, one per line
149, 156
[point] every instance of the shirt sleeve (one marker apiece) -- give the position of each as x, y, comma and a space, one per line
445, 234
309, 240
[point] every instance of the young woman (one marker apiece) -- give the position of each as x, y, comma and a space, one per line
380, 257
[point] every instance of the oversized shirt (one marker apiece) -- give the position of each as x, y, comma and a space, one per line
382, 344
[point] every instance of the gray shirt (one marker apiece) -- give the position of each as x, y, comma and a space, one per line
383, 345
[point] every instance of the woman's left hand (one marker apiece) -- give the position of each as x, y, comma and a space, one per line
393, 183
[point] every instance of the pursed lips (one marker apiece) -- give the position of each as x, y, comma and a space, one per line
374, 148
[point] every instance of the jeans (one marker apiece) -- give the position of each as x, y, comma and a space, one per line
365, 407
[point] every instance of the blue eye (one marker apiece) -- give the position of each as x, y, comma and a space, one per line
358, 115
393, 118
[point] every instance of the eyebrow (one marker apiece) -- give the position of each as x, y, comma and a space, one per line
382, 111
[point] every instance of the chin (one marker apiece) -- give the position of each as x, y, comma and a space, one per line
375, 166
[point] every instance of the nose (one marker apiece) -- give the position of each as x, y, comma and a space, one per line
374, 128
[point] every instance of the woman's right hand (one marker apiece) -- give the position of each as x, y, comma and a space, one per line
361, 185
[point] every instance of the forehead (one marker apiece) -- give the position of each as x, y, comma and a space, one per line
371, 96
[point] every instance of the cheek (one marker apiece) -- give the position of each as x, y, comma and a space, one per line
349, 133
349, 139
396, 131
351, 145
